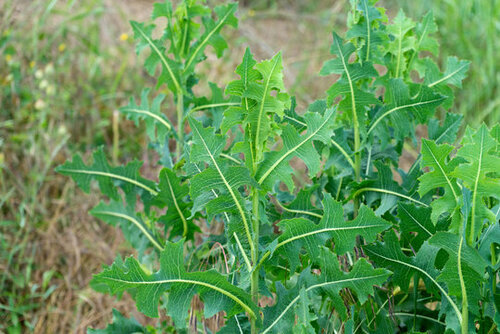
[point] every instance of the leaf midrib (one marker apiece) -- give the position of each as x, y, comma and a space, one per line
110, 175
202, 44
452, 303
189, 281
148, 113
314, 287
262, 102
162, 57
416, 104
442, 172
231, 192
133, 221
174, 199
283, 157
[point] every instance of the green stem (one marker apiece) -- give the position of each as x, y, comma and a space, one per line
254, 283
180, 125
493, 263
465, 303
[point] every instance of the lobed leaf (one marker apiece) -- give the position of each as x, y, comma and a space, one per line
110, 178
215, 291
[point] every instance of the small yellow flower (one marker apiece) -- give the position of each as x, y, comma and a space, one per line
251, 13
8, 58
123, 37
62, 47
32, 64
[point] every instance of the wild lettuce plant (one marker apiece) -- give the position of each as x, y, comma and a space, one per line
356, 244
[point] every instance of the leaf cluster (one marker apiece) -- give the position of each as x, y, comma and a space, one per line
362, 245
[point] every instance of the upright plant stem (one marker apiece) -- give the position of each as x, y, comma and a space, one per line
254, 280
254, 283
357, 163
180, 125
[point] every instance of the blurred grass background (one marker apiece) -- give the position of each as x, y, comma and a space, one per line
66, 66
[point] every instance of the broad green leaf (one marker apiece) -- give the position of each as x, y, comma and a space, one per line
213, 107
478, 174
368, 29
423, 31
360, 280
248, 74
134, 229
207, 147
436, 157
170, 74
383, 189
455, 73
300, 232
464, 266
120, 325
266, 103
405, 107
389, 255
211, 36
110, 178
490, 237
401, 43
157, 124
354, 100
414, 219
214, 290
446, 133
275, 167
173, 194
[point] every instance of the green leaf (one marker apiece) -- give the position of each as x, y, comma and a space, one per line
446, 133
170, 74
472, 267
265, 106
214, 290
435, 157
401, 43
134, 229
405, 106
423, 31
383, 189
366, 28
211, 36
414, 219
478, 174
157, 124
109, 178
300, 232
207, 147
120, 325
354, 100
491, 236
455, 73
275, 166
248, 74
172, 194
360, 280
389, 255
